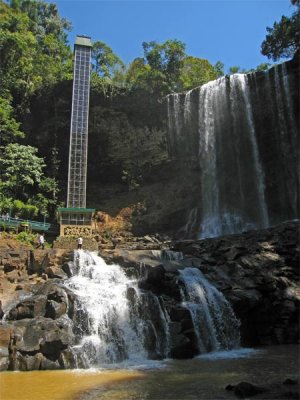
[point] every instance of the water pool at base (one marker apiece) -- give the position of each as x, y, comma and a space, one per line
201, 378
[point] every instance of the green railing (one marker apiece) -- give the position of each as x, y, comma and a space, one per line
27, 224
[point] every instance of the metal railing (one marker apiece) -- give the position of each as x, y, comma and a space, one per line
25, 223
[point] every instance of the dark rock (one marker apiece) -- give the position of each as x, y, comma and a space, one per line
182, 347
40, 335
229, 387
29, 308
69, 268
55, 310
246, 389
290, 381
179, 313
67, 360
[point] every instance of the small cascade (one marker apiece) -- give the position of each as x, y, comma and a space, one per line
149, 308
167, 255
113, 320
215, 324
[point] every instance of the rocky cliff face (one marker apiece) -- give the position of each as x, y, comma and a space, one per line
143, 154
258, 272
243, 132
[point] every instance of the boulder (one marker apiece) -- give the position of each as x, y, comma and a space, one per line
246, 389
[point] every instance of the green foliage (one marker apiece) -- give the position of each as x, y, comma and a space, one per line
106, 63
283, 38
33, 50
26, 237
195, 72
260, 67
5, 203
219, 69
21, 168
166, 59
234, 70
9, 127
22, 210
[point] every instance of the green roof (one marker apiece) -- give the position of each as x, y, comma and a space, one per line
76, 210
83, 41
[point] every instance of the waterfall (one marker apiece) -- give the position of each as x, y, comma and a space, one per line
223, 145
112, 318
246, 134
257, 164
215, 324
167, 255
114, 321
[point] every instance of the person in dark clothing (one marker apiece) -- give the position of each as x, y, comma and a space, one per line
1, 311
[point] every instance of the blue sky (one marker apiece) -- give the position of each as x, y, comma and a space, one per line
227, 30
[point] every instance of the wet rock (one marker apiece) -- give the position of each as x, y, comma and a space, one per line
29, 308
41, 335
55, 310
290, 381
69, 268
154, 275
182, 347
246, 389
67, 360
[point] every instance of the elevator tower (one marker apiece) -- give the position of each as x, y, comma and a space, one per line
76, 215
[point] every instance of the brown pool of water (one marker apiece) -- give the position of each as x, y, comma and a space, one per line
58, 385
196, 379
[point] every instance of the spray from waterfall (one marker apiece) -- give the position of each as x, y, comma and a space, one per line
115, 322
229, 119
113, 319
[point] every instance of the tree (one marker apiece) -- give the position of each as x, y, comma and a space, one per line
33, 49
105, 61
234, 70
9, 127
283, 38
219, 68
195, 72
167, 59
21, 169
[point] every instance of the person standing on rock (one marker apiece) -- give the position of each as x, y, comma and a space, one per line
1, 311
41, 241
79, 243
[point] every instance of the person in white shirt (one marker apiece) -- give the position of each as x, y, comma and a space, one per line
79, 243
41, 241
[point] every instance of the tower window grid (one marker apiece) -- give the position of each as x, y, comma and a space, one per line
79, 128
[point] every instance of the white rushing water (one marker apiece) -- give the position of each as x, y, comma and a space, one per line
115, 322
230, 120
109, 334
215, 324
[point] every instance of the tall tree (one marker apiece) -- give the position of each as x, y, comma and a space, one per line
105, 61
33, 49
21, 169
195, 72
166, 58
283, 39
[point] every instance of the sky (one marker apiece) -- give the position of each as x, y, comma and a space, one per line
227, 30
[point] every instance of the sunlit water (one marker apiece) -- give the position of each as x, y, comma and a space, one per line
201, 378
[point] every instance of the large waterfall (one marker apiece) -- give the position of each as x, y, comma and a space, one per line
242, 131
115, 321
